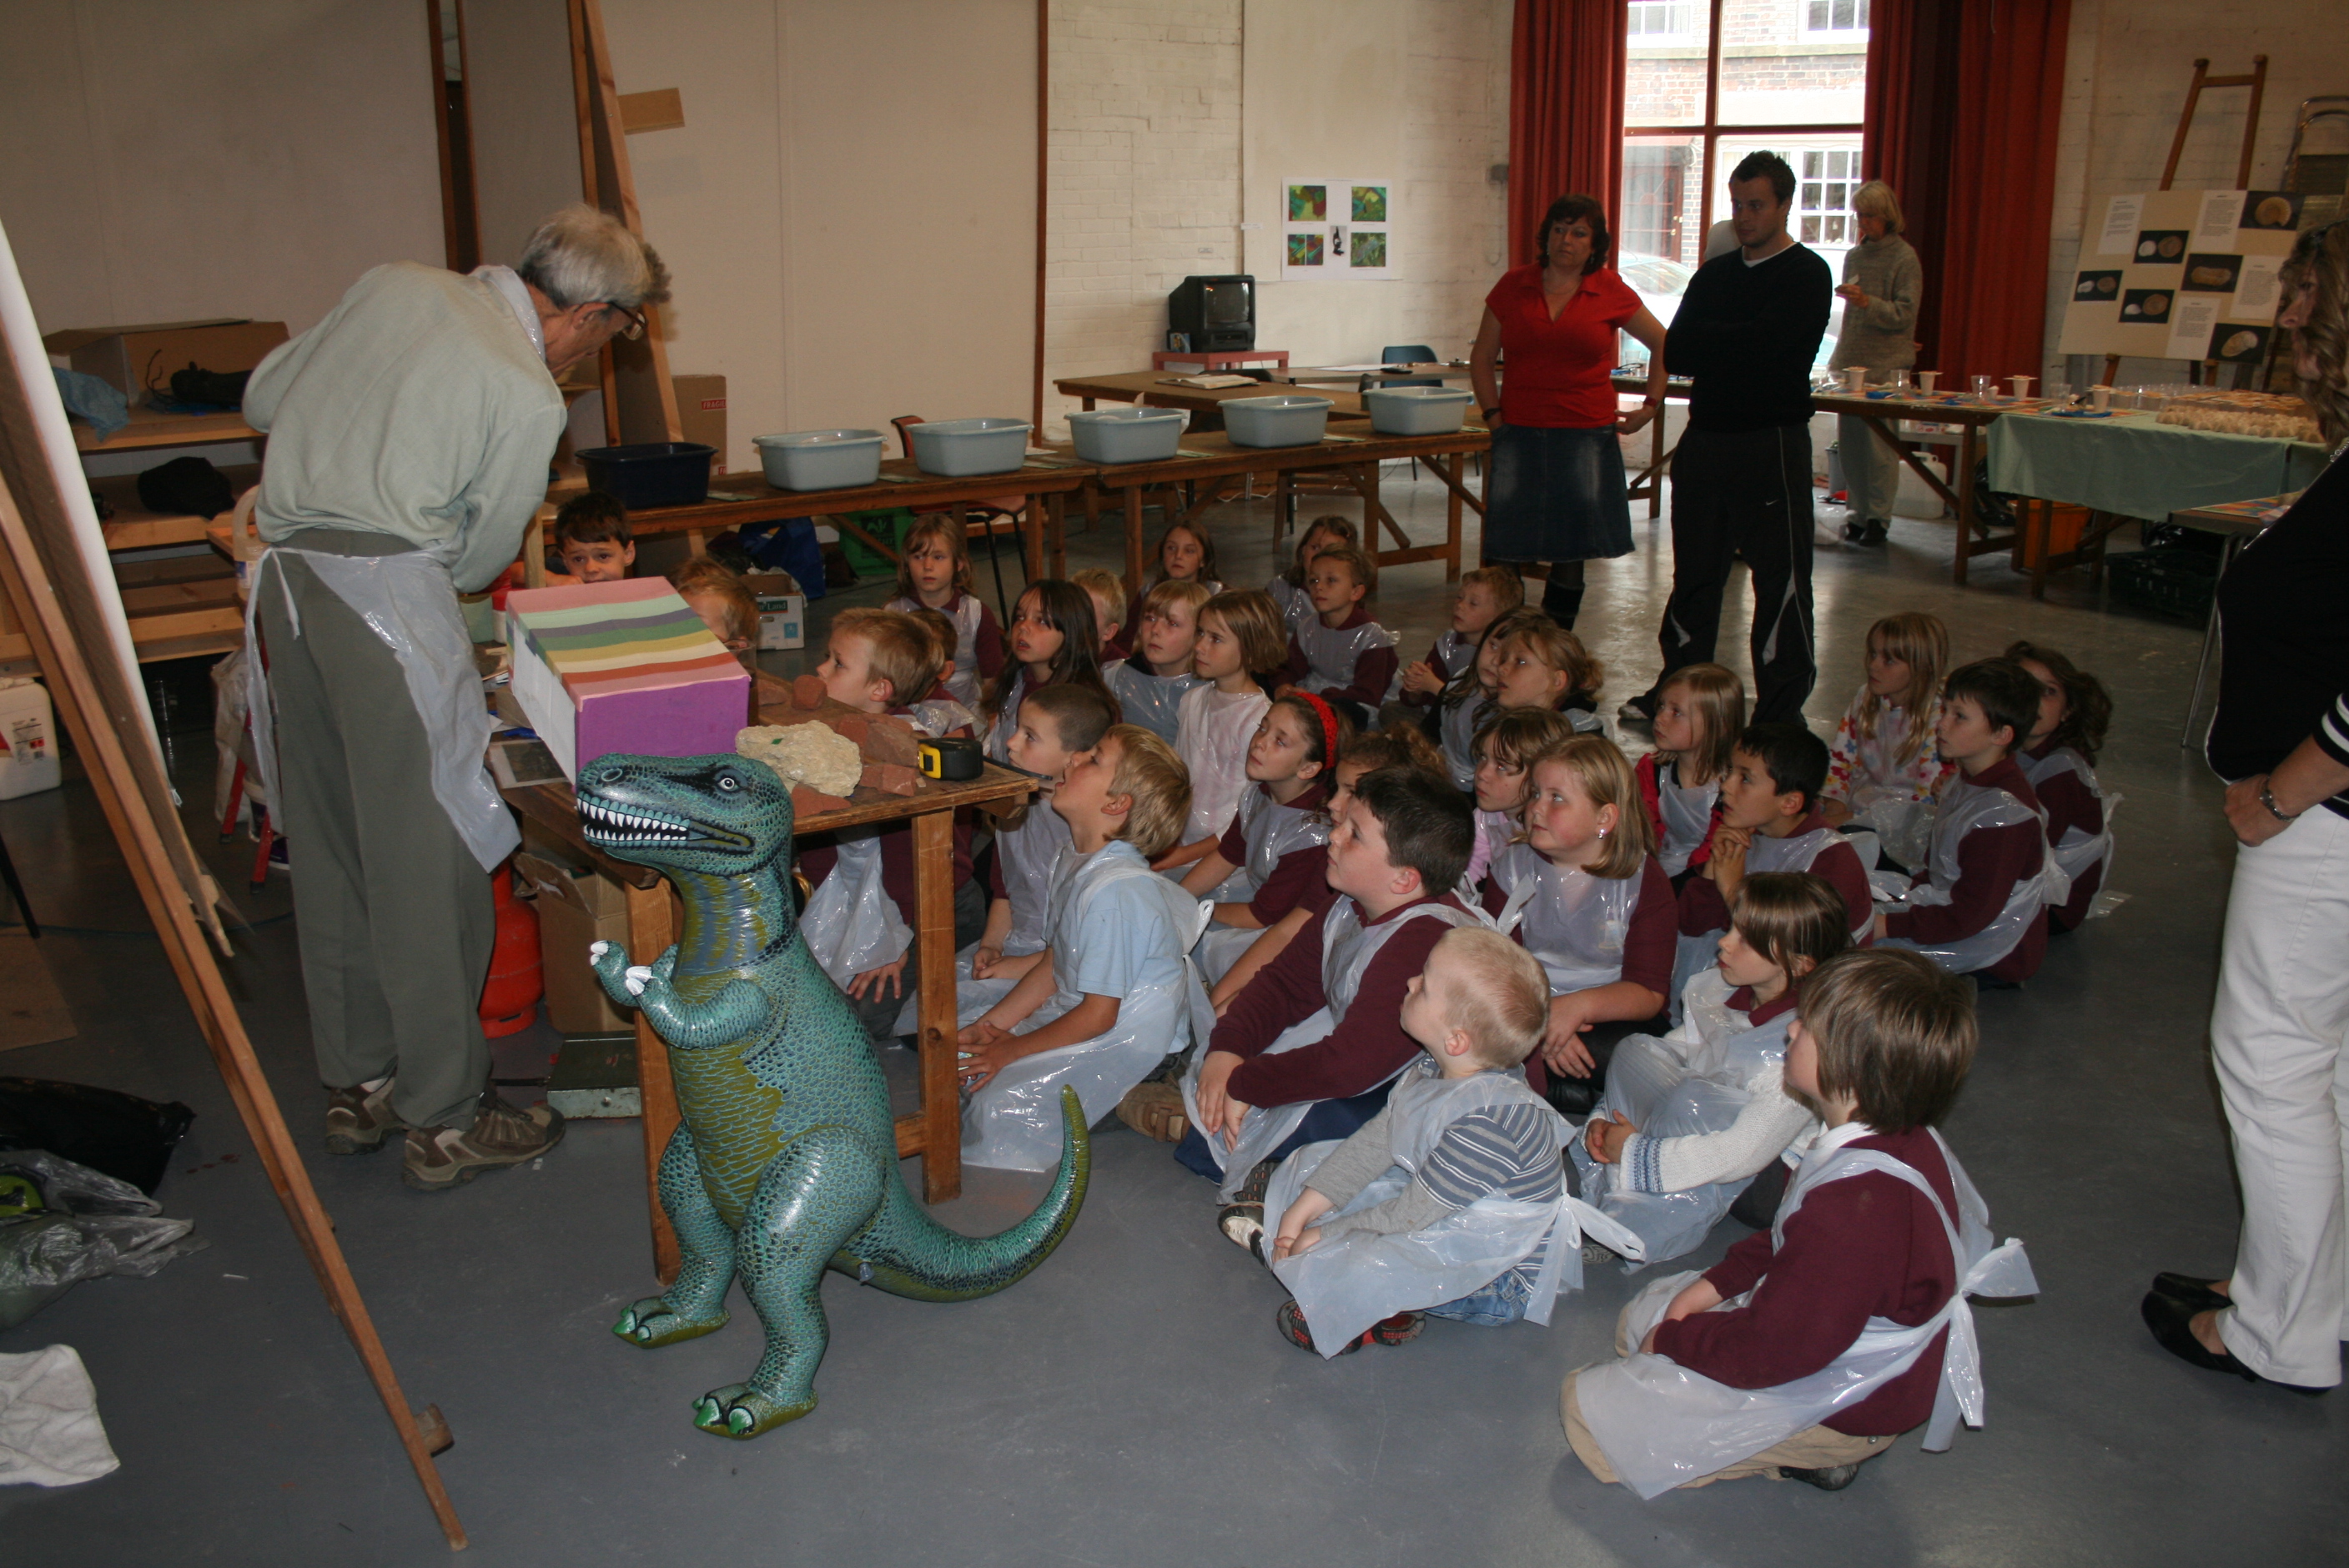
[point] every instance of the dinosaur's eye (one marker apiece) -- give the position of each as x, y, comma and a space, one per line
728, 782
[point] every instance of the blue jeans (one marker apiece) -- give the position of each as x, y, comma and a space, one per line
1494, 1305
1330, 1120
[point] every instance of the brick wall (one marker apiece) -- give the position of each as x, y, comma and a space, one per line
1143, 180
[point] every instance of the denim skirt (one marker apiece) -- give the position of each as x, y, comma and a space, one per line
1556, 495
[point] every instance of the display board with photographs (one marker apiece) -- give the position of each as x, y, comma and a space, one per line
2184, 275
1334, 229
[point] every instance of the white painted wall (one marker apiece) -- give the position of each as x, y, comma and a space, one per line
2126, 66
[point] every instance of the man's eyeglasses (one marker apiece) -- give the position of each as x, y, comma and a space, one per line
633, 323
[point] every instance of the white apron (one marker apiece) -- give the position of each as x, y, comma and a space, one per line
409, 601
1348, 949
1966, 806
1574, 923
1331, 653
1696, 1080
1688, 815
1793, 853
1013, 1121
1345, 1284
1270, 831
1212, 739
1029, 856
2078, 852
996, 741
1154, 702
1457, 731
1901, 823
1662, 1425
851, 925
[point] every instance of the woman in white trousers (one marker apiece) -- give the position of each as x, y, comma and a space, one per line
2280, 1028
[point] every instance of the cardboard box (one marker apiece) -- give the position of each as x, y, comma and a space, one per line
577, 906
701, 414
782, 609
133, 358
622, 667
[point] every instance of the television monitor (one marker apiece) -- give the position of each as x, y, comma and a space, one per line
1215, 313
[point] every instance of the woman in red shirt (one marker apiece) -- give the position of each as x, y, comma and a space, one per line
1556, 492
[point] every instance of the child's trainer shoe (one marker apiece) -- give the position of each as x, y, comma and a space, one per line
1403, 1327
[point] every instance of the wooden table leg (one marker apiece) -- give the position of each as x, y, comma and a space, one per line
1132, 494
1284, 495
1452, 516
2039, 529
533, 548
1965, 478
1655, 466
941, 1113
1056, 514
1032, 556
652, 927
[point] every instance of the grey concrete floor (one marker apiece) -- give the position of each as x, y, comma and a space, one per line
1131, 1402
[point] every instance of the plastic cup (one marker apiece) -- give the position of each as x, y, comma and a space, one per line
2100, 398
1899, 383
1984, 386
2021, 385
1925, 378
1855, 378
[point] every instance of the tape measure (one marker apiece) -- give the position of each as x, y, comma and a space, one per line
951, 758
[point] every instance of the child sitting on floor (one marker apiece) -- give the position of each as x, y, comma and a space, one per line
1339, 650
1186, 553
1239, 648
1057, 724
591, 536
2059, 757
1690, 1121
1981, 905
934, 574
1306, 1052
1810, 1348
725, 603
1700, 709
1543, 665
1769, 822
941, 712
1885, 773
1107, 590
1583, 893
1273, 856
1468, 700
1287, 589
1506, 748
1151, 683
1407, 1218
1486, 596
1053, 641
1114, 992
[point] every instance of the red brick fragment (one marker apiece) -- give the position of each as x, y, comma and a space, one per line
891, 778
807, 802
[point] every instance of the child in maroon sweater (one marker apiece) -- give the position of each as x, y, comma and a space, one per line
1811, 1347
1980, 908
2059, 757
1339, 650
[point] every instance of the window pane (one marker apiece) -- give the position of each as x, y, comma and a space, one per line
1663, 78
1810, 230
1791, 62
1659, 227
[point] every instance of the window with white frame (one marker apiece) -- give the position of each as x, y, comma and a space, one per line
1655, 22
1835, 18
1828, 177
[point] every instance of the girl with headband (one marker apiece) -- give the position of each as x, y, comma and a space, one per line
1271, 858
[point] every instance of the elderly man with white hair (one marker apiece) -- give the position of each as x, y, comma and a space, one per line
409, 434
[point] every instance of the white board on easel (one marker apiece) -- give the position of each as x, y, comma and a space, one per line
2182, 274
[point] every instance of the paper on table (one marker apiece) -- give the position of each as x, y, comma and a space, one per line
2190, 321
2122, 216
2255, 289
2214, 229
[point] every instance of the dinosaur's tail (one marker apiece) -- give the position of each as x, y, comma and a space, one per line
908, 1253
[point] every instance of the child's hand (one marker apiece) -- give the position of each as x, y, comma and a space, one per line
984, 1051
1015, 967
1279, 692
1213, 1074
1726, 865
983, 962
1295, 1236
1836, 812
1698, 1296
869, 983
1420, 679
1305, 1241
1604, 1138
1562, 1048
1882, 927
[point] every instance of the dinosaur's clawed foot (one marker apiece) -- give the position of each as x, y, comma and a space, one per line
738, 1410
650, 1325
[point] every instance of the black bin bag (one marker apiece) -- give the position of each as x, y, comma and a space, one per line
117, 1134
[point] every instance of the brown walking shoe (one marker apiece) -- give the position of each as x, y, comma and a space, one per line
360, 1117
439, 1158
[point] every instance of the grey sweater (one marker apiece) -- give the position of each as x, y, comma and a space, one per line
417, 409
1510, 1149
1882, 336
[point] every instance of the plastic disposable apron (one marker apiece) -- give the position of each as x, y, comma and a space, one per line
962, 678
1154, 702
1330, 654
1349, 1282
1662, 1426
1269, 831
942, 715
1213, 742
851, 925
1012, 1122
409, 601
1697, 1080
1965, 807
1348, 948
1029, 856
1574, 923
996, 741
1692, 955
1688, 816
1901, 821
2078, 851
1457, 731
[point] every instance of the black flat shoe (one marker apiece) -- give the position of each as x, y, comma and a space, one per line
2171, 1322
2194, 1293
1832, 1478
1873, 535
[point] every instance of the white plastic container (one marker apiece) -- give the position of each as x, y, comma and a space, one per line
1417, 410
28, 740
821, 460
1130, 435
954, 449
1285, 420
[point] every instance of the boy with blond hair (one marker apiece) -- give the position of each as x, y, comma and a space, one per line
1339, 650
1114, 992
1107, 590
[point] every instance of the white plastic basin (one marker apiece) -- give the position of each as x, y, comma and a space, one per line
1287, 419
1417, 410
954, 448
1131, 435
821, 460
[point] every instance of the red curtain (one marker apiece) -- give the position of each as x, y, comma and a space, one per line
1964, 105
1566, 111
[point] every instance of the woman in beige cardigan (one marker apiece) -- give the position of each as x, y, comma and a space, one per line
1881, 285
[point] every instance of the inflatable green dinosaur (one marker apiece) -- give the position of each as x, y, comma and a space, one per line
785, 1162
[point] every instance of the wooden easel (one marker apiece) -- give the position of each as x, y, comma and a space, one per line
639, 399
2257, 80
62, 605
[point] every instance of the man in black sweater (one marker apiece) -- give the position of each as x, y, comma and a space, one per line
1746, 333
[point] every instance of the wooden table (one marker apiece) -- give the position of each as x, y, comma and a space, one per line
1151, 388
1972, 415
934, 1132
1044, 482
1340, 376
1354, 457
1649, 483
